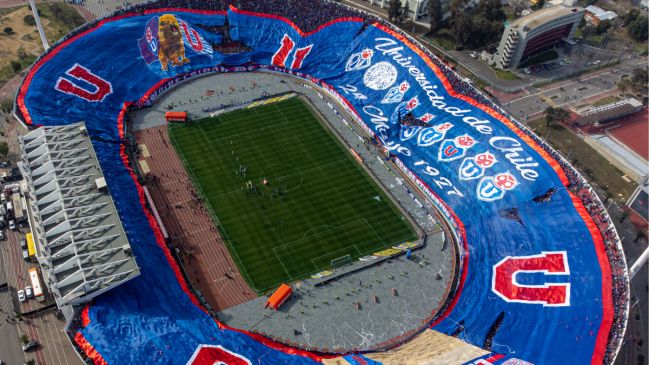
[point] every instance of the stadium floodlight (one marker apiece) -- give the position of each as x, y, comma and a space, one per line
39, 25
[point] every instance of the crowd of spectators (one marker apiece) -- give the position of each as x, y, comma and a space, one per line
308, 15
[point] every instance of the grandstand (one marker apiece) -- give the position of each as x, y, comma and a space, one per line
567, 232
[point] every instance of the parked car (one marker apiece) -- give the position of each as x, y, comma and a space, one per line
30, 346
23, 243
29, 292
553, 65
566, 60
527, 71
21, 296
5, 163
547, 67
473, 54
12, 225
2, 236
588, 64
560, 63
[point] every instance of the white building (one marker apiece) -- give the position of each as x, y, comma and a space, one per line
596, 14
537, 32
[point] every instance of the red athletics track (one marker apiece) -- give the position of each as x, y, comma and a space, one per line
209, 257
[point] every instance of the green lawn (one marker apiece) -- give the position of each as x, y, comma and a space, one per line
443, 37
331, 209
585, 157
605, 101
504, 75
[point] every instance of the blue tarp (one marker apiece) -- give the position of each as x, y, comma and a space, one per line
471, 160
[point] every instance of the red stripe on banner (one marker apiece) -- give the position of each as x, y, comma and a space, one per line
88, 349
272, 16
602, 335
607, 286
84, 315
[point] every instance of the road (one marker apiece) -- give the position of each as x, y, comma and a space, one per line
587, 87
579, 57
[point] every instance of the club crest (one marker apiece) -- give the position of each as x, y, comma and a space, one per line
395, 94
169, 39
492, 188
474, 167
380, 76
453, 149
409, 132
429, 136
359, 61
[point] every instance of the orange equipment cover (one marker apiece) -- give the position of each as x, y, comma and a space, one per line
276, 300
176, 116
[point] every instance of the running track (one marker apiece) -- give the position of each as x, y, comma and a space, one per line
210, 258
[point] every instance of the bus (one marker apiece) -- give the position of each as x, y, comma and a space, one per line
36, 285
31, 248
19, 214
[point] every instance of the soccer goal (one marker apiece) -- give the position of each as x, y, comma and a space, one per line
341, 261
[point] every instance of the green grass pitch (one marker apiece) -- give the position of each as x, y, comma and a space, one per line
331, 207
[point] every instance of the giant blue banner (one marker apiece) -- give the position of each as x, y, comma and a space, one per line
541, 264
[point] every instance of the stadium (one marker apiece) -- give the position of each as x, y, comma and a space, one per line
290, 151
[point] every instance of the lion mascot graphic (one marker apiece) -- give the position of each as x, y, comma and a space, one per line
171, 42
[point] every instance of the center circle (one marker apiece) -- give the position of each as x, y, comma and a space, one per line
284, 177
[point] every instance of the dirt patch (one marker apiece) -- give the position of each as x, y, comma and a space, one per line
429, 345
23, 35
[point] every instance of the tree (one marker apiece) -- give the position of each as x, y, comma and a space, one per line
31, 362
603, 26
29, 20
492, 10
518, 5
21, 53
462, 28
8, 30
394, 8
632, 15
640, 76
609, 195
18, 316
540, 3
6, 105
16, 66
4, 149
24, 340
640, 234
561, 114
638, 29
626, 213
549, 118
624, 85
434, 9
458, 6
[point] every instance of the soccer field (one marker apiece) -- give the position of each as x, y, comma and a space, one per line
328, 205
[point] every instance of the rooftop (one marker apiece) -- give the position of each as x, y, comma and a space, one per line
79, 238
601, 13
543, 16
